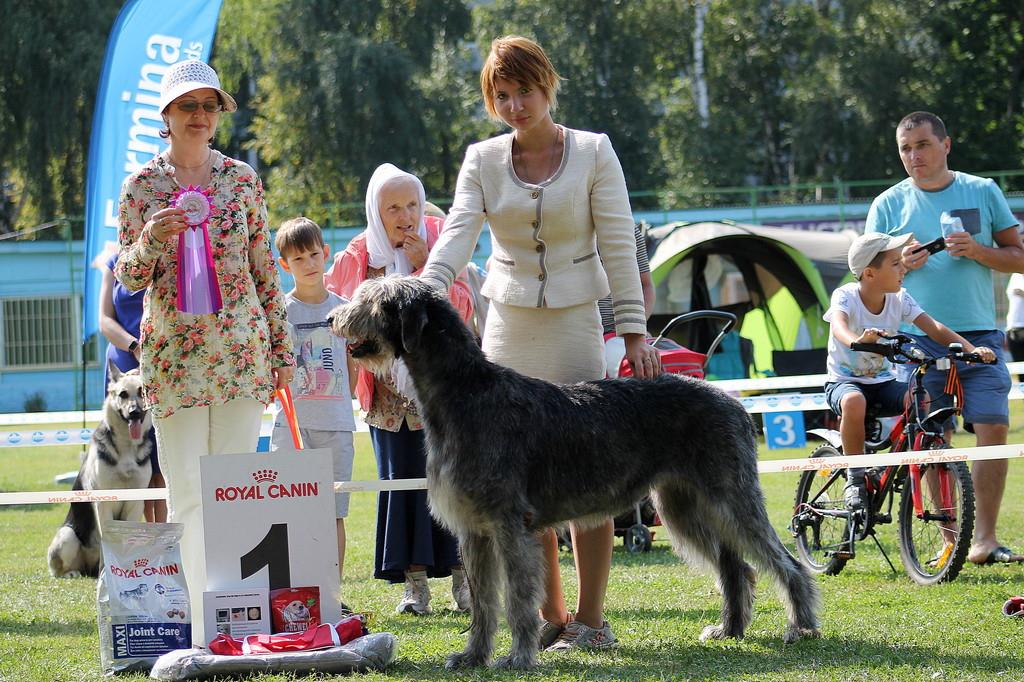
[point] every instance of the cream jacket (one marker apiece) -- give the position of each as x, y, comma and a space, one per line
546, 237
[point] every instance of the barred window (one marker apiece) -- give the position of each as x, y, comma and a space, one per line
43, 332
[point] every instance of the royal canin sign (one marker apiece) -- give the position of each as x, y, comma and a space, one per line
265, 486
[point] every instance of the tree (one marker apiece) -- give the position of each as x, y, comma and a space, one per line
978, 70
799, 92
51, 54
339, 90
609, 60
453, 114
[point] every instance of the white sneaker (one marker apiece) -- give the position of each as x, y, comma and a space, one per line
460, 591
417, 594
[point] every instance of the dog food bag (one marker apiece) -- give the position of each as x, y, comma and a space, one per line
294, 609
142, 599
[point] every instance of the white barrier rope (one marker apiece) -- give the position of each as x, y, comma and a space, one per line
753, 404
757, 404
128, 494
17, 419
986, 452
772, 383
812, 380
81, 437
769, 467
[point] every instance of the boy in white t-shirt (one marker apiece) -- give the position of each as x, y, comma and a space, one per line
862, 312
324, 375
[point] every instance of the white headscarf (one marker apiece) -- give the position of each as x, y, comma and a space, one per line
382, 253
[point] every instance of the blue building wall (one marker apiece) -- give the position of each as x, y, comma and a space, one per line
31, 269
38, 269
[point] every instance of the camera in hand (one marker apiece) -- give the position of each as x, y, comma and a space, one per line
933, 246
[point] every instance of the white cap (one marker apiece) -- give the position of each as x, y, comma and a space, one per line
190, 75
867, 246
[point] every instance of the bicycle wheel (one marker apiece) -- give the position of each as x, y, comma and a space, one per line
933, 547
820, 536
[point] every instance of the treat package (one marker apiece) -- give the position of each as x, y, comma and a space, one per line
294, 609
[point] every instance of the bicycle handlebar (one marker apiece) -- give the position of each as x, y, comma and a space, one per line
902, 349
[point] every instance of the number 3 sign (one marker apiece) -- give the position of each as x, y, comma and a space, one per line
784, 430
269, 522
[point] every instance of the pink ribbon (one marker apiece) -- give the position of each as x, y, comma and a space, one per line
198, 290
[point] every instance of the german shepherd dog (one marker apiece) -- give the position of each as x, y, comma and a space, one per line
509, 455
118, 457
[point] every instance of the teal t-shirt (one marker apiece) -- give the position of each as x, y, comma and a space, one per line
955, 291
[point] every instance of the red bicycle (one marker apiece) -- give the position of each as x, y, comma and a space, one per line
935, 519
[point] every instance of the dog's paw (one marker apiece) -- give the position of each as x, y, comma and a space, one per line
793, 634
716, 632
70, 574
515, 662
464, 659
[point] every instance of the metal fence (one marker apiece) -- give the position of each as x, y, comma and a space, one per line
42, 332
846, 196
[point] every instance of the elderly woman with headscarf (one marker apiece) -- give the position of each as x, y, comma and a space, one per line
410, 545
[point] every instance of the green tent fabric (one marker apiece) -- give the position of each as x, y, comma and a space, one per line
772, 277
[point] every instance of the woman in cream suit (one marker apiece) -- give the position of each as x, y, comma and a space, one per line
554, 197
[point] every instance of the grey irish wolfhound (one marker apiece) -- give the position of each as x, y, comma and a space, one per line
509, 456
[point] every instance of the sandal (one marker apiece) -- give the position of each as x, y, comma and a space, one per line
1001, 555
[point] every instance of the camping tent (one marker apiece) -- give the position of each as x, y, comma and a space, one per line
777, 280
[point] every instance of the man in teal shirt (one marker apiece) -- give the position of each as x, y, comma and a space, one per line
955, 287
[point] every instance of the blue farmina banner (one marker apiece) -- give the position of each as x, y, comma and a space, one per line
147, 38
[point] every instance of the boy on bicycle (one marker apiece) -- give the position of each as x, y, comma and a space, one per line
862, 312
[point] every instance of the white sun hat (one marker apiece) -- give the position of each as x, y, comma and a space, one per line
865, 247
190, 75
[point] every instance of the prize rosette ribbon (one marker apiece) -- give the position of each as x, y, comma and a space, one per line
198, 291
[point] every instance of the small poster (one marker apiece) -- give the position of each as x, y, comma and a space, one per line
236, 613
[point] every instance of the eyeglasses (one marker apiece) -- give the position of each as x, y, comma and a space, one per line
191, 105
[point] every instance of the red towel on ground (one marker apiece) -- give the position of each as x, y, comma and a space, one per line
323, 636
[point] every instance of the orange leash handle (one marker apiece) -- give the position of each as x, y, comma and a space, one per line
284, 395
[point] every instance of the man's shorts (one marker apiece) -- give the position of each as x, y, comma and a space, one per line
885, 398
986, 387
341, 445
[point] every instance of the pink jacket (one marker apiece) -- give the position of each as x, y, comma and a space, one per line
349, 271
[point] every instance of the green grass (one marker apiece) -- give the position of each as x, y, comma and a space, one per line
875, 624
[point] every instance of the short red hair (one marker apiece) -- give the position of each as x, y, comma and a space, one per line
520, 59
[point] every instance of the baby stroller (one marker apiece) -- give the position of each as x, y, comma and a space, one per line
634, 525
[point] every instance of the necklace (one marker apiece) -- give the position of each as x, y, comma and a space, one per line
178, 166
548, 168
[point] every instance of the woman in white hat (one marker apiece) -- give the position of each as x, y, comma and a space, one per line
214, 337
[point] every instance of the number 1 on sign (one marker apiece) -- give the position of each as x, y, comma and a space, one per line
272, 552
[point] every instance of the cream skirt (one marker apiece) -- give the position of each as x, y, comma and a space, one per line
563, 345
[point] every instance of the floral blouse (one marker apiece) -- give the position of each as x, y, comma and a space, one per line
191, 360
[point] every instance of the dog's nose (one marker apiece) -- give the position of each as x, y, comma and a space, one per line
136, 413
330, 320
